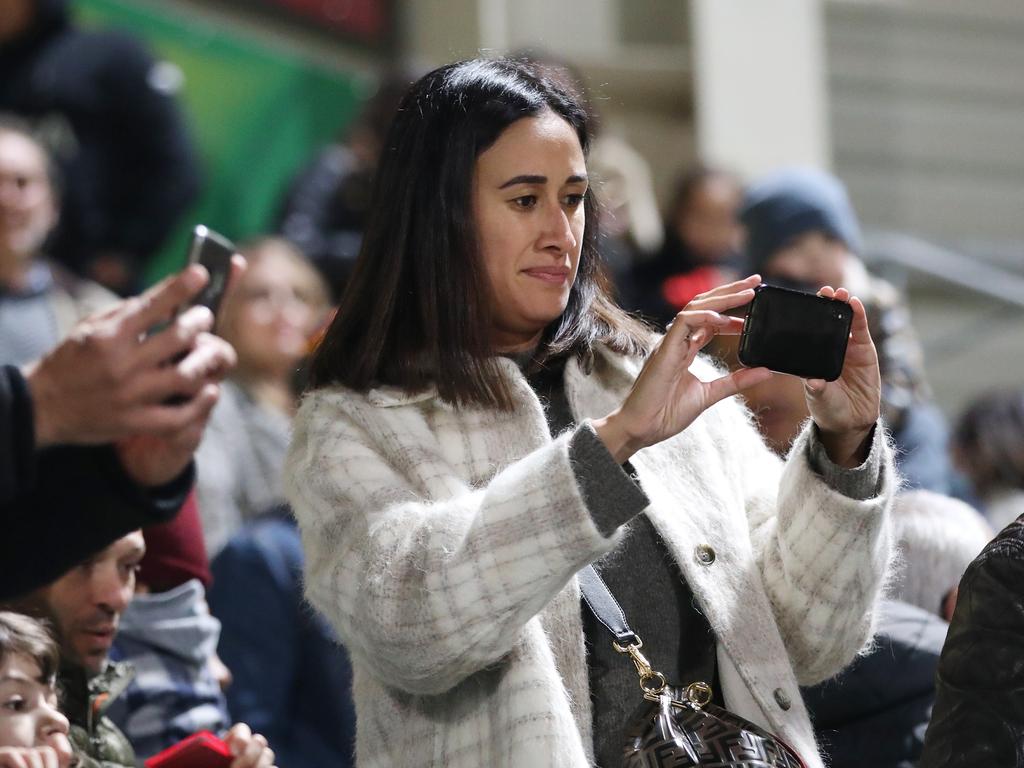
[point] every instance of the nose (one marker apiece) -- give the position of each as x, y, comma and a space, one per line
53, 733
558, 236
112, 589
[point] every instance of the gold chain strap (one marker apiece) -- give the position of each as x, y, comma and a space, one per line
653, 683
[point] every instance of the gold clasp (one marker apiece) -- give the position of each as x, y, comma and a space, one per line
652, 682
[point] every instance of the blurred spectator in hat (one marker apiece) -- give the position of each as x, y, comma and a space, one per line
270, 318
40, 301
170, 639
938, 537
110, 115
988, 446
86, 605
324, 211
802, 232
293, 684
700, 250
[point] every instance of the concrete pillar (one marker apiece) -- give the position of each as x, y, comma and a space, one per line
760, 83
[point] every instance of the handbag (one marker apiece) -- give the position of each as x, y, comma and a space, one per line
679, 726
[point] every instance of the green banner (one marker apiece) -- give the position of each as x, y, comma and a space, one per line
257, 115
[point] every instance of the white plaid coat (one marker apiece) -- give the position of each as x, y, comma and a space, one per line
442, 545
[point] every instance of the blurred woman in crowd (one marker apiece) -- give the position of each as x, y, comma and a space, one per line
988, 447
278, 305
33, 732
484, 422
701, 246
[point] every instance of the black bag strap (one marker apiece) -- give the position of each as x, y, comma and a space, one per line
605, 607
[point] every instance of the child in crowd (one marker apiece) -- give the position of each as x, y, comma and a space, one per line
33, 732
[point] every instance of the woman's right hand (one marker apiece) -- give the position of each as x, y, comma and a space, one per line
666, 397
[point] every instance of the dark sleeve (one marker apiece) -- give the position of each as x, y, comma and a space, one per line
256, 595
611, 495
978, 717
81, 502
156, 171
16, 434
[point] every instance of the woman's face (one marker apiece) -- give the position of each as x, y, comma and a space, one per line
528, 191
272, 315
28, 710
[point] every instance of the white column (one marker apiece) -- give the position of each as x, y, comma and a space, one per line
760, 83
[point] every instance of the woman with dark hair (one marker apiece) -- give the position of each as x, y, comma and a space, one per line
485, 422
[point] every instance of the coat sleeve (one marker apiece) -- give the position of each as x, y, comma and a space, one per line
823, 556
424, 592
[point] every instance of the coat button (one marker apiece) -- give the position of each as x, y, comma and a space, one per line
705, 555
782, 699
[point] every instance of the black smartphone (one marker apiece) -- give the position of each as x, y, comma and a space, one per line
213, 251
795, 332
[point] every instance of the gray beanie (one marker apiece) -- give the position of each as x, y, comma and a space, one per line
791, 202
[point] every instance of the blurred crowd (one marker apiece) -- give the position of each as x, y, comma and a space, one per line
151, 596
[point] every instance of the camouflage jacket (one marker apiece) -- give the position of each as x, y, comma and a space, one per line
98, 743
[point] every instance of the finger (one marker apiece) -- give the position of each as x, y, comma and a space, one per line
162, 300
48, 758
33, 759
815, 387
733, 287
827, 291
842, 294
859, 326
211, 359
734, 383
13, 759
164, 419
178, 337
723, 302
267, 758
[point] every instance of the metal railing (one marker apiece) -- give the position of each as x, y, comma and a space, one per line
893, 249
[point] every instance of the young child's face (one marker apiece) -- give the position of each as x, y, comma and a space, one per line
28, 709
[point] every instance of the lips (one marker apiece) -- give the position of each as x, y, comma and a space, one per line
555, 275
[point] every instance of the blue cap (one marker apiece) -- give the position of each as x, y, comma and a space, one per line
785, 204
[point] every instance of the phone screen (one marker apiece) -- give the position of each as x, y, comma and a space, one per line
214, 252
794, 332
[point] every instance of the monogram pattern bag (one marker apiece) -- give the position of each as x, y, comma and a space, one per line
678, 727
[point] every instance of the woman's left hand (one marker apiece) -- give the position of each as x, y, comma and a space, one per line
846, 409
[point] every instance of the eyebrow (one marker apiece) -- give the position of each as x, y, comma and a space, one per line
528, 179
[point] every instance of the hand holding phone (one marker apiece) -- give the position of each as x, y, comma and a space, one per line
200, 750
795, 332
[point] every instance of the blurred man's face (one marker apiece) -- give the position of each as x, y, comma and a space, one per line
15, 18
27, 209
86, 603
814, 259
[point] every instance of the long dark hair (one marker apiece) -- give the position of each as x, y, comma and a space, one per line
415, 311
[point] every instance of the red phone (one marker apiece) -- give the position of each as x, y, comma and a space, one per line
200, 750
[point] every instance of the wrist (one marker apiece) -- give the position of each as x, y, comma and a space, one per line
847, 448
616, 438
44, 430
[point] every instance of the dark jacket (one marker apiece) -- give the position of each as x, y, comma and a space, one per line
96, 740
62, 504
978, 718
108, 112
291, 679
876, 711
